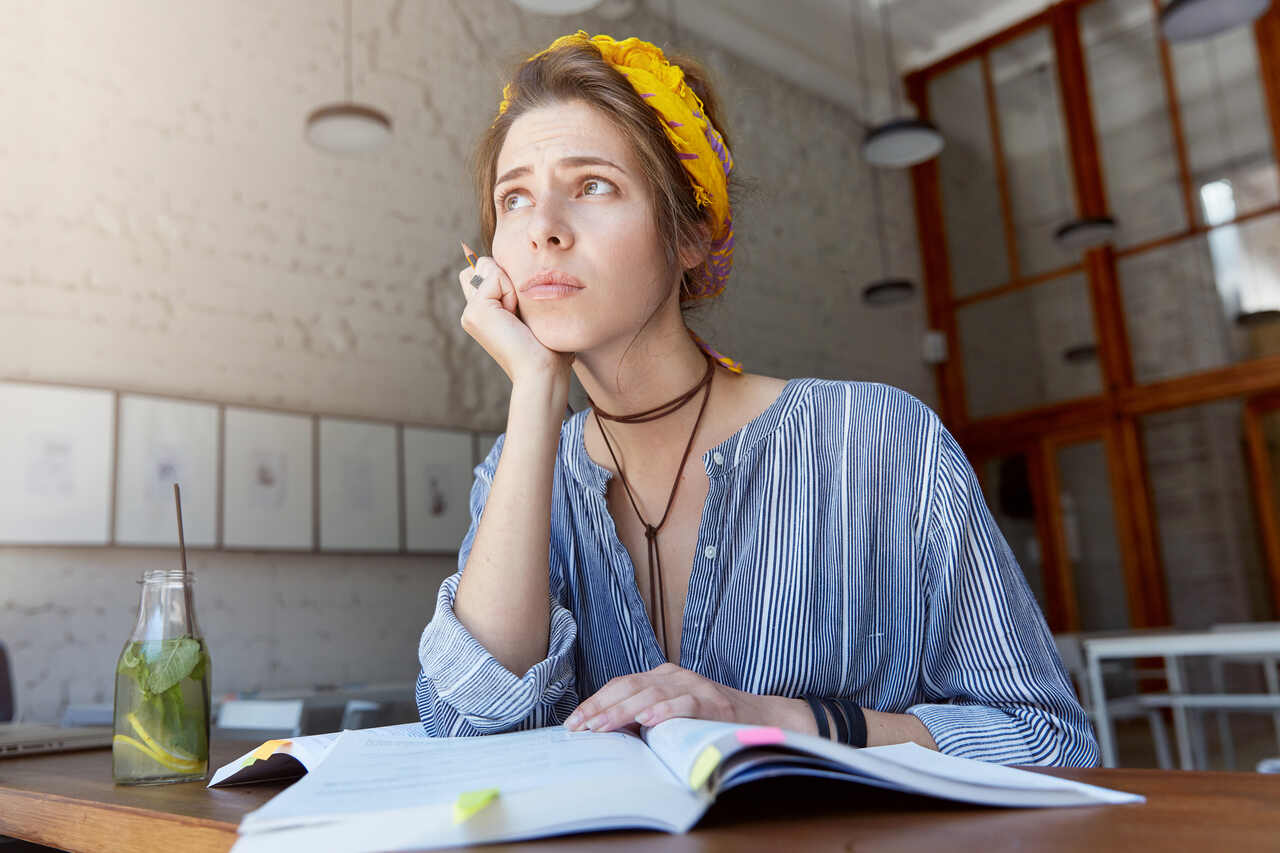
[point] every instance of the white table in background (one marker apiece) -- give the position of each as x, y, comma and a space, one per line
1172, 646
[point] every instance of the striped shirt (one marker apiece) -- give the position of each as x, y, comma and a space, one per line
845, 549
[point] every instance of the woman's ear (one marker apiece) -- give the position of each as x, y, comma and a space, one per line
692, 255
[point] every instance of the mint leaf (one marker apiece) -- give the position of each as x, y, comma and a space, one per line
176, 661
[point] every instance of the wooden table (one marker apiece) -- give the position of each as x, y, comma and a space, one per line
68, 801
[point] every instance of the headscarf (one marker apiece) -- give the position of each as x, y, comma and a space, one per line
699, 146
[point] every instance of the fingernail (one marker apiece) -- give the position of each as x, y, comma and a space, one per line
596, 722
644, 716
573, 720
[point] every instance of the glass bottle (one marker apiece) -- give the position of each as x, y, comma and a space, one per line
162, 688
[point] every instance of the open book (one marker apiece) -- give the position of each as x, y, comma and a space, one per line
379, 789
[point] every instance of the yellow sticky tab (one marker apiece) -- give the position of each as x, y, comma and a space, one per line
702, 768
466, 806
266, 750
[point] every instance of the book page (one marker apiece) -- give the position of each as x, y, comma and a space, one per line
257, 765
364, 772
678, 742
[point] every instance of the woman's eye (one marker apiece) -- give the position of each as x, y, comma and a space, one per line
506, 198
596, 182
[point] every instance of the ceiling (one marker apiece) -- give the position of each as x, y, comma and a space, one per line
807, 41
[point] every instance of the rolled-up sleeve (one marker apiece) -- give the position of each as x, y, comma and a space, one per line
462, 690
995, 687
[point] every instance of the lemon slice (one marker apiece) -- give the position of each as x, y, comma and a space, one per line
172, 764
167, 757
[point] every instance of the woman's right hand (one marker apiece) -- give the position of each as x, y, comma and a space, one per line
492, 317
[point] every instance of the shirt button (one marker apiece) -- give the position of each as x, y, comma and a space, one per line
718, 457
710, 552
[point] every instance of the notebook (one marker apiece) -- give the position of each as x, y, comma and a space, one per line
32, 738
385, 790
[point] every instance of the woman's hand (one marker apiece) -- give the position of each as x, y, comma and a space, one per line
669, 691
492, 317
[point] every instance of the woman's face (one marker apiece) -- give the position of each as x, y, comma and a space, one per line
592, 220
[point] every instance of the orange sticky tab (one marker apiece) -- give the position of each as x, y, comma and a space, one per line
762, 736
268, 749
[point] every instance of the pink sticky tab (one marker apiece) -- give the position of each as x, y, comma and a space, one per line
762, 736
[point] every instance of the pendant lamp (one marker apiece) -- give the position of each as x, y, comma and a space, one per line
557, 7
886, 290
347, 127
1187, 20
903, 141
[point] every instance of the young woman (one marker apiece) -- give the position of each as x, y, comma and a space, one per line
703, 542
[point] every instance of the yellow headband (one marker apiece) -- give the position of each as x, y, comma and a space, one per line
697, 143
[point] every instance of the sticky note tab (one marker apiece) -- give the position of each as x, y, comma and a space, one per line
465, 807
702, 768
264, 751
761, 736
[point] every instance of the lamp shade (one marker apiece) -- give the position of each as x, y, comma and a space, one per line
888, 291
1185, 20
1081, 234
348, 128
901, 142
556, 7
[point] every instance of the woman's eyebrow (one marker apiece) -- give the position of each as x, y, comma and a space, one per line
565, 162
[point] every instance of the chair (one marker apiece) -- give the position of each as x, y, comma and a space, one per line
1121, 708
6, 687
1271, 677
259, 719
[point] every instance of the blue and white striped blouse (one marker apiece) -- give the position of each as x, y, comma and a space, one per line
845, 549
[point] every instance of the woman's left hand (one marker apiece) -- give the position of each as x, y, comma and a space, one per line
650, 697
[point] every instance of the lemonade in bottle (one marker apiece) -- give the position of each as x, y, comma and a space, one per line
162, 688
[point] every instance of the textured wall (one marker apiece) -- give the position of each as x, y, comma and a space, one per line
166, 229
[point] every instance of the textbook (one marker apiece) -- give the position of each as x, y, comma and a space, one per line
377, 789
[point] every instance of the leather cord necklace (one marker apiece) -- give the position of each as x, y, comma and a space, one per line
657, 596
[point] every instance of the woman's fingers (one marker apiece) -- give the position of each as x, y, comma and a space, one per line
483, 281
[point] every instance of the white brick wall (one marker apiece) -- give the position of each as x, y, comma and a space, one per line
165, 228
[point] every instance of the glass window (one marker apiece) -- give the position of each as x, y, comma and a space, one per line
1213, 565
1089, 527
1032, 135
967, 181
1029, 347
1204, 302
1225, 124
1007, 488
1131, 120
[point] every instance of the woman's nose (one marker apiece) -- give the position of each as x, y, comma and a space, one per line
549, 228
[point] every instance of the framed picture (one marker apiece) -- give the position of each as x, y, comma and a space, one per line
437, 488
163, 442
56, 453
359, 486
267, 494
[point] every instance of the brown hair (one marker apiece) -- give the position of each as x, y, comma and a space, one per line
579, 73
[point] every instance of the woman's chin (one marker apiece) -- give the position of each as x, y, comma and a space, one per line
562, 337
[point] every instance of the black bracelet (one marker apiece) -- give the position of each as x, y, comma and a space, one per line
857, 722
820, 715
837, 714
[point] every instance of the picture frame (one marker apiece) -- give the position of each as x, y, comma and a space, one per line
161, 442
437, 488
268, 495
59, 443
359, 494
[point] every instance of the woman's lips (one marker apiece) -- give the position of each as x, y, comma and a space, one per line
550, 291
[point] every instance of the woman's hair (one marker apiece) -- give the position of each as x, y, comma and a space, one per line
579, 73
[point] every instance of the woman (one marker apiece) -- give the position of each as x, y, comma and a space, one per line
703, 542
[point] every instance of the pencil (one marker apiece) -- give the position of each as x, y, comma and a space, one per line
470, 255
